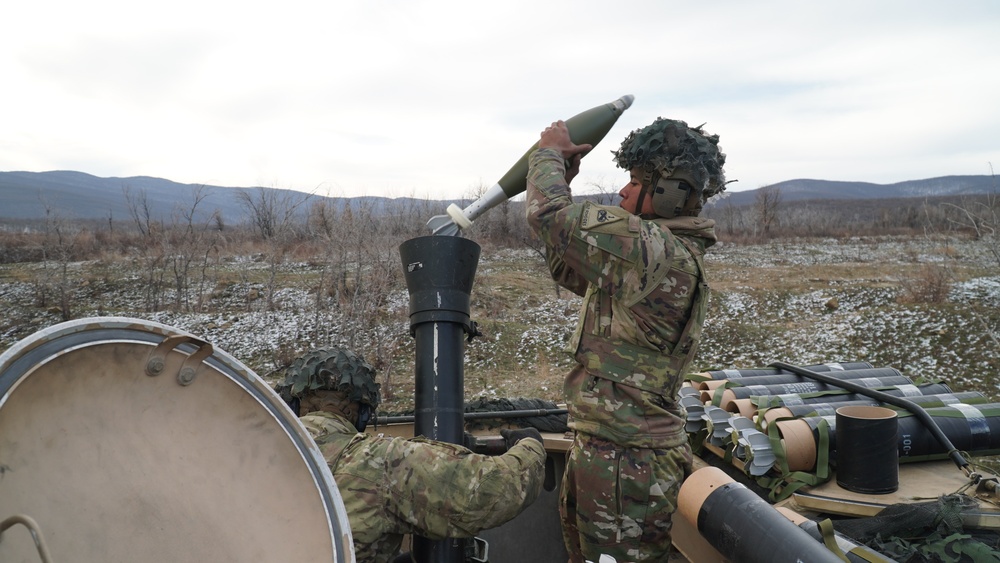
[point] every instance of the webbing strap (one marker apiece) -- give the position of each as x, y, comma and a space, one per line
830, 539
790, 481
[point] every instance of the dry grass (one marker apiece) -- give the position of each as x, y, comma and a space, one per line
801, 301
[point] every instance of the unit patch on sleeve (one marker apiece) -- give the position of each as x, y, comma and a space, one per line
595, 215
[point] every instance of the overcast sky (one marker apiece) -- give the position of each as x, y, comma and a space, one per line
432, 98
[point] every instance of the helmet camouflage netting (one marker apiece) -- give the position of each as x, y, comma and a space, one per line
673, 149
331, 369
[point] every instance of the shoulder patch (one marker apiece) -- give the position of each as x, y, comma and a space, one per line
595, 215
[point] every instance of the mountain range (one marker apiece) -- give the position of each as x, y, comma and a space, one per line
77, 195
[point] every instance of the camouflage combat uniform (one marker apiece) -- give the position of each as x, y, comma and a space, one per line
644, 304
395, 486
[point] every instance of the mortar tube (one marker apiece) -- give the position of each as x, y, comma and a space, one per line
439, 274
910, 406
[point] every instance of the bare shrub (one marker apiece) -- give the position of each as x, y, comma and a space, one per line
603, 192
269, 211
981, 216
930, 284
139, 210
766, 206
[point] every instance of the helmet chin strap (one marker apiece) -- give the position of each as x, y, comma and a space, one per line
649, 180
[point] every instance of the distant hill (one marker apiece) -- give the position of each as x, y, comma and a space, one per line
77, 195
801, 190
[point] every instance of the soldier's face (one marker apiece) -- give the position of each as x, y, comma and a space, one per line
630, 195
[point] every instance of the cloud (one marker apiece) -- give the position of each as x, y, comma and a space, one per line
437, 97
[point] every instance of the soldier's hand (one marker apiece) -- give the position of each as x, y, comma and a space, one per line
514, 436
556, 136
573, 167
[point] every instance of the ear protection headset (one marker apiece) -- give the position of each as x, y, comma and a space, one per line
668, 197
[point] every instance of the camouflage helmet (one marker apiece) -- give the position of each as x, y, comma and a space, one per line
671, 152
331, 369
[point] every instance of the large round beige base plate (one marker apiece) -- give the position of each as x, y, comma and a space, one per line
128, 440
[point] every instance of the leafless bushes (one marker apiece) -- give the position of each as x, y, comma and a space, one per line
981, 217
190, 258
769, 218
766, 206
930, 284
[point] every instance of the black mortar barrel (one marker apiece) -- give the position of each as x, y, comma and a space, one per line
439, 272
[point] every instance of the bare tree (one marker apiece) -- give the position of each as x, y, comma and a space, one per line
139, 210
60, 246
320, 221
766, 205
982, 217
187, 243
604, 193
218, 221
269, 210
731, 216
198, 195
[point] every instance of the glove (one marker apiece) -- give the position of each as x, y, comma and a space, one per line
512, 437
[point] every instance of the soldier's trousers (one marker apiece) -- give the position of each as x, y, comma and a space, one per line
618, 501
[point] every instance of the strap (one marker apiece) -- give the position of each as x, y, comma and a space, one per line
830, 539
690, 337
791, 481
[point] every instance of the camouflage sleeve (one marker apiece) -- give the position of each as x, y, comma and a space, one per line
549, 206
587, 243
445, 490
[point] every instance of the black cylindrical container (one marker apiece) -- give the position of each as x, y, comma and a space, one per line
439, 273
867, 457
